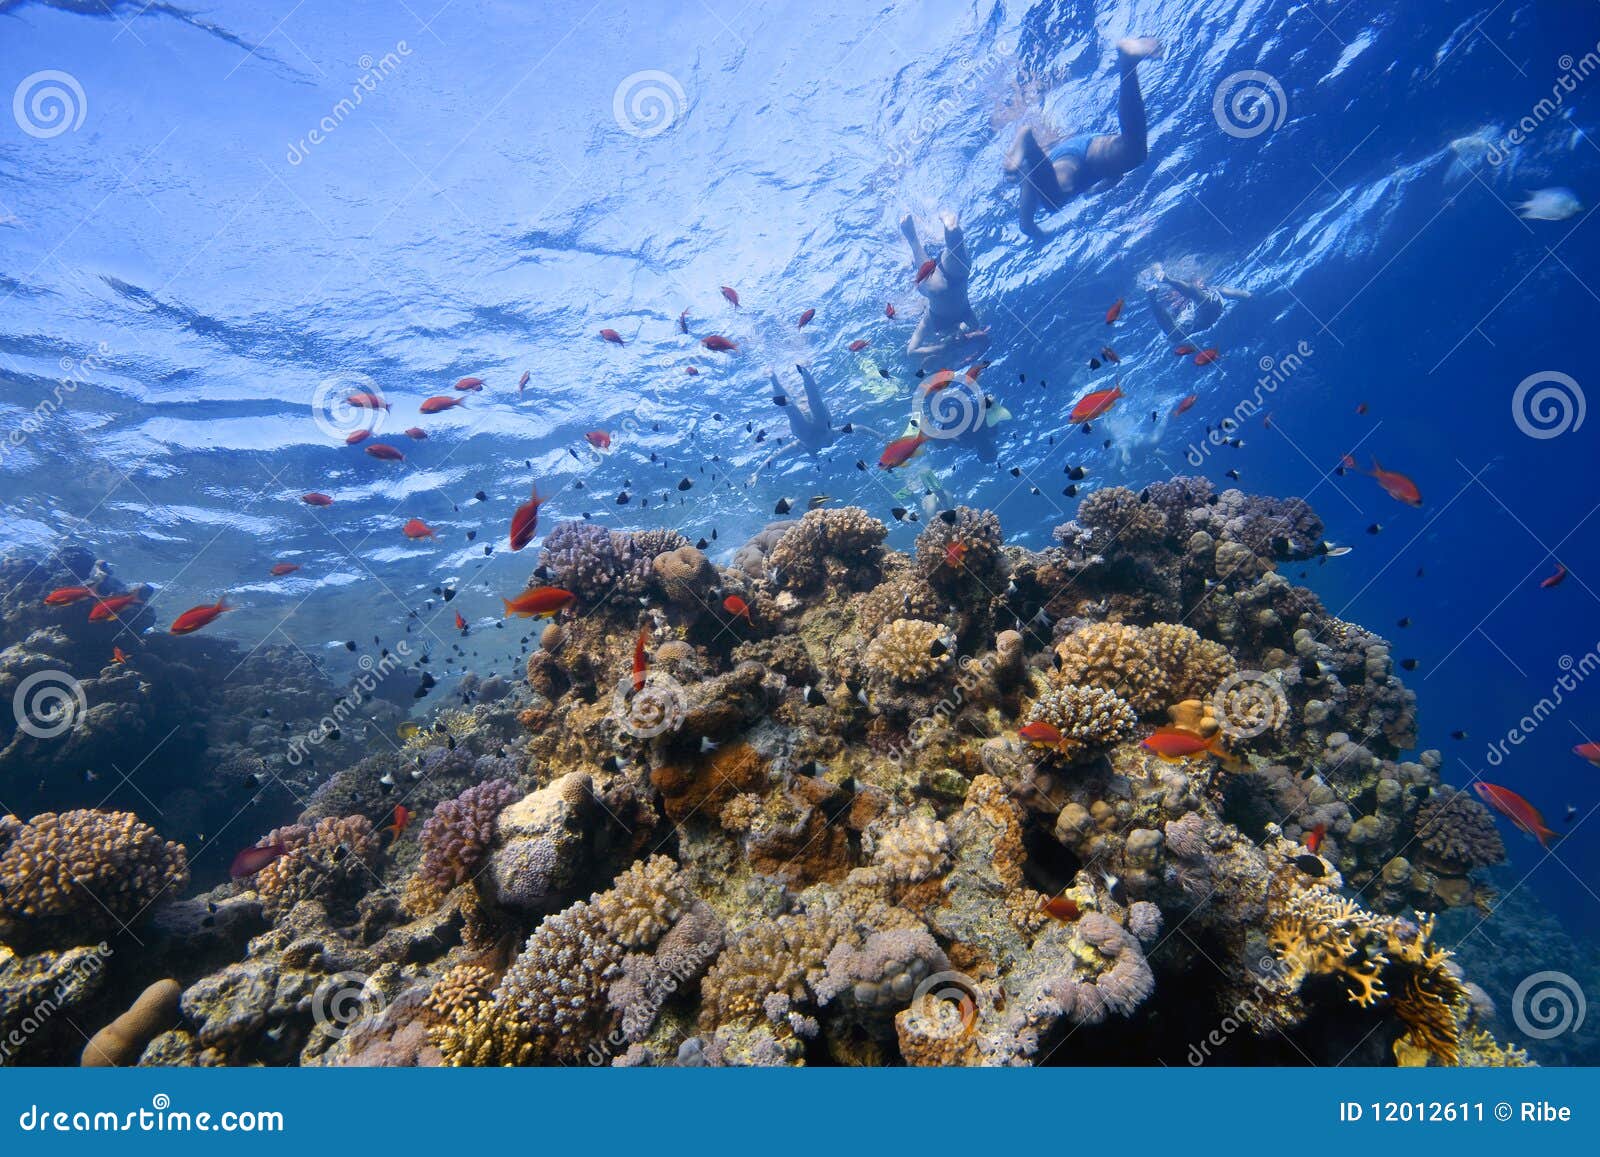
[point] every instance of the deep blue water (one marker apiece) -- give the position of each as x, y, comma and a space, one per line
194, 265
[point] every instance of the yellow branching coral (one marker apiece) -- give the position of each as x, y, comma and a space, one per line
910, 651
1150, 667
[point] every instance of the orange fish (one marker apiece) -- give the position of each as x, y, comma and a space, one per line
1589, 751
106, 609
470, 384
540, 602
954, 554
1519, 811
416, 528
402, 820
805, 318
416, 432
738, 608
1314, 838
718, 343
196, 617
1397, 486
440, 402
1184, 351
118, 655
925, 270
1042, 734
1114, 312
691, 371
386, 452
901, 451
1174, 743
355, 436
1554, 580
461, 624
1185, 405
732, 295
367, 402
1094, 404
599, 439
1061, 907
525, 521
1110, 355
1207, 356
611, 336
522, 382
283, 568
1348, 462
859, 344
66, 596
888, 309
315, 499
640, 663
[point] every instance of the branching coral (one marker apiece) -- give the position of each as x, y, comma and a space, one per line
847, 534
455, 841
1086, 716
910, 651
1457, 833
333, 861
1150, 667
784, 956
977, 542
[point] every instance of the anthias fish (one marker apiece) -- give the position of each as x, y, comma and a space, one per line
613, 336
1114, 312
540, 602
525, 521
718, 344
805, 319
1523, 815
252, 860
901, 451
66, 596
107, 609
316, 499
441, 402
925, 270
196, 617
416, 528
599, 439
386, 452
1173, 744
1092, 405
473, 384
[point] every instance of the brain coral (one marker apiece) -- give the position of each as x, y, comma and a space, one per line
848, 533
910, 651
1457, 833
1092, 716
680, 571
70, 876
1151, 667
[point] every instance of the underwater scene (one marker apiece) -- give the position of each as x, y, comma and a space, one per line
943, 533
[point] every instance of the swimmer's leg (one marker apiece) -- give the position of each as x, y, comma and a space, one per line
908, 229
814, 403
1112, 156
1163, 315
956, 261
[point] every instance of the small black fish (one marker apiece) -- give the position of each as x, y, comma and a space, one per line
449, 593
1311, 865
861, 464
350, 645
685, 485
1375, 528
481, 496
883, 373
1408, 664
813, 697
1016, 472
899, 513
937, 649
1458, 735
780, 399
611, 763
1234, 474
847, 428
471, 534
783, 506
701, 545
487, 551
1419, 572
578, 485
948, 517
1076, 473
1406, 622
1094, 363
1070, 491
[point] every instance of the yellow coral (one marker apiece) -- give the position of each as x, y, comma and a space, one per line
910, 651
1150, 667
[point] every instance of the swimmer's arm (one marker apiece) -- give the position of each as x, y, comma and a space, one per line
1234, 294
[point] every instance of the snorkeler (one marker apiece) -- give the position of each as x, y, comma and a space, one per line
1199, 306
811, 425
1073, 165
949, 329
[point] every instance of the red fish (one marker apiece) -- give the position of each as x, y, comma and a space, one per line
355, 436
522, 382
805, 318
1063, 908
1185, 405
1519, 811
1314, 838
1556, 579
1348, 462
417, 433
1092, 405
402, 820
440, 402
1110, 355
525, 521
118, 655
640, 663
386, 452
461, 624
315, 499
106, 609
1397, 486
367, 402
859, 344
738, 608
612, 336
954, 554
416, 528
691, 371
1207, 356
540, 602
718, 343
599, 439
731, 294
901, 451
252, 860
1361, 407
1174, 743
196, 617
1042, 734
925, 270
1114, 312
66, 596
1589, 751
470, 384
1184, 351
888, 309
283, 568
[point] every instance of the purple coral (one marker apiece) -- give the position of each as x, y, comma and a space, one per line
456, 837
